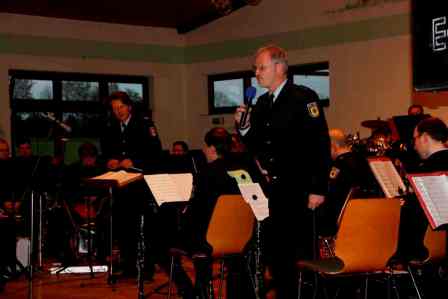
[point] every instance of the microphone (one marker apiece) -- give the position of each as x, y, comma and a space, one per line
50, 116
249, 96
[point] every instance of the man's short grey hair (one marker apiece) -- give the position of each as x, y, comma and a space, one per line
278, 55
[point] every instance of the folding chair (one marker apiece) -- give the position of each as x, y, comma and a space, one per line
366, 239
435, 242
230, 229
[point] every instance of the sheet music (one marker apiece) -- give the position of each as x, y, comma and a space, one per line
254, 196
170, 187
434, 192
387, 176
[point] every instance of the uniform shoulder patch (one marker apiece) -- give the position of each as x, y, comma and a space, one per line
313, 109
334, 172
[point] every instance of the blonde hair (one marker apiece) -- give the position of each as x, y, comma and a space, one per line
338, 137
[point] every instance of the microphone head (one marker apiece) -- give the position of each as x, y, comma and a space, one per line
250, 92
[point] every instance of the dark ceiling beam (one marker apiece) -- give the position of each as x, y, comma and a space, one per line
207, 17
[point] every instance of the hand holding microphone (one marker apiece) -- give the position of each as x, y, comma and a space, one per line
242, 114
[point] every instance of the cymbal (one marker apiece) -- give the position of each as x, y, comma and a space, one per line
374, 123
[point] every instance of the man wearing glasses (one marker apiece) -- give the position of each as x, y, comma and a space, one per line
287, 133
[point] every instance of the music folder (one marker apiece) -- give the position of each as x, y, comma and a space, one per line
387, 176
241, 176
170, 187
432, 193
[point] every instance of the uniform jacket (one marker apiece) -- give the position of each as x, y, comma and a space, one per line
291, 139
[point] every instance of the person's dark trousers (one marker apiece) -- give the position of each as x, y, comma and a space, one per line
413, 226
291, 238
238, 284
130, 203
203, 287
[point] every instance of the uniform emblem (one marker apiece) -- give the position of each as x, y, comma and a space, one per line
334, 173
313, 110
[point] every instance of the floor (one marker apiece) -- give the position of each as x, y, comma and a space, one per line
82, 286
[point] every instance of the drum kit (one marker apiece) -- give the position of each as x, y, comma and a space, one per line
377, 144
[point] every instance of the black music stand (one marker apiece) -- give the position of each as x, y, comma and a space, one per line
110, 185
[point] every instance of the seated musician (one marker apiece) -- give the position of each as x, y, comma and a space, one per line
211, 182
6, 190
350, 171
430, 137
66, 218
7, 209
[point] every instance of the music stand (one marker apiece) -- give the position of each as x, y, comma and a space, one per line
110, 185
112, 181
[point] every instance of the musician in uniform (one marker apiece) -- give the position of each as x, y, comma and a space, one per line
430, 137
349, 171
129, 142
288, 134
211, 182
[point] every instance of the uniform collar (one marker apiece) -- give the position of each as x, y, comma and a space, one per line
278, 90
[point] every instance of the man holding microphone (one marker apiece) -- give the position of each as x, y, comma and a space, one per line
287, 133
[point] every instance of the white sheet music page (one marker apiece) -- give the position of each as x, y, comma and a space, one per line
184, 184
387, 176
254, 196
170, 187
432, 192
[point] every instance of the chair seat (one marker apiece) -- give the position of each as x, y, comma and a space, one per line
331, 265
175, 251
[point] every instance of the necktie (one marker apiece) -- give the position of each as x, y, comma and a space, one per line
123, 127
271, 101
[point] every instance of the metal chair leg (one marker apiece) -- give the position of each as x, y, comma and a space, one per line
221, 280
170, 282
414, 283
366, 287
299, 286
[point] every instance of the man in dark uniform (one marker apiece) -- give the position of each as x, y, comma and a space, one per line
349, 171
128, 141
288, 134
430, 137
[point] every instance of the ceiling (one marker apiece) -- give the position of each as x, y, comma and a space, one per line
183, 15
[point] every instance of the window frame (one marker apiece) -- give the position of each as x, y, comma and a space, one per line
58, 106
247, 75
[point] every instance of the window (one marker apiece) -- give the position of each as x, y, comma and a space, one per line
315, 76
226, 91
41, 99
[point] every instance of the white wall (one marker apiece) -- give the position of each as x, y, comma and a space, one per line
168, 95
370, 77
